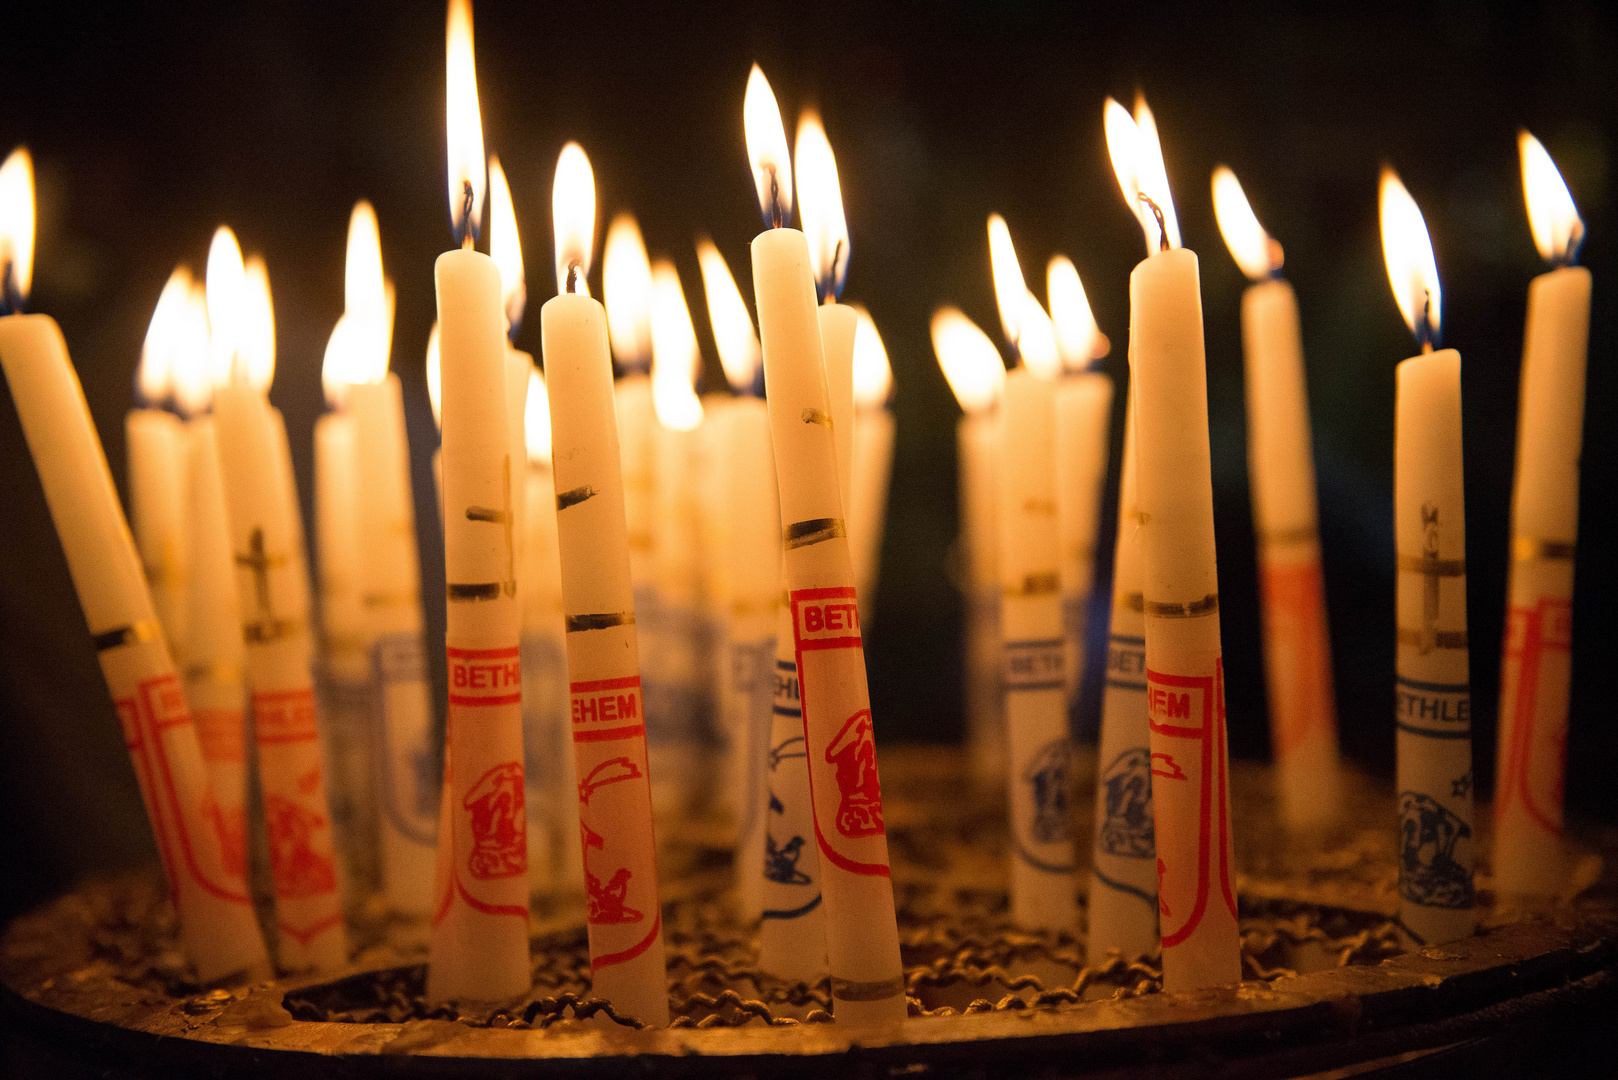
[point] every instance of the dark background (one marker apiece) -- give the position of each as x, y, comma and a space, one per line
152, 125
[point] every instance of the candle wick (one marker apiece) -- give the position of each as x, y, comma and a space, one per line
1425, 332
777, 211
464, 225
11, 297
575, 277
1162, 227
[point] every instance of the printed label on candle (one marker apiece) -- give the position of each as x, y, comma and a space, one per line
407, 762
1126, 825
1436, 710
619, 857
607, 709
1034, 665
1186, 715
485, 676
1538, 652
1296, 652
1435, 862
1126, 663
499, 824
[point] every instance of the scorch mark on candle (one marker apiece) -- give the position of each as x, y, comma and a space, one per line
813, 415
574, 496
1195, 609
814, 531
599, 621
133, 634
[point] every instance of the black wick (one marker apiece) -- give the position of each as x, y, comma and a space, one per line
465, 223
828, 289
777, 211
575, 277
1157, 212
11, 298
1425, 334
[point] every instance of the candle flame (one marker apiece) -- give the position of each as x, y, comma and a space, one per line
1079, 340
675, 359
1036, 339
368, 299
435, 385
971, 364
1558, 229
339, 364
1137, 161
626, 286
465, 124
505, 247
537, 420
1254, 250
16, 229
257, 348
820, 206
767, 150
1009, 285
1408, 252
193, 384
155, 376
573, 213
227, 305
873, 375
732, 323
1154, 178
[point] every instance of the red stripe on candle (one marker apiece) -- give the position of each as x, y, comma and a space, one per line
518, 911
830, 643
604, 684
608, 734
632, 952
869, 869
306, 936
462, 699
481, 654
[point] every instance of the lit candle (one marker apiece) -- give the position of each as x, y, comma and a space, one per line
156, 444
1042, 893
976, 375
619, 851
862, 934
751, 557
867, 496
1281, 472
479, 946
217, 928
1083, 422
626, 287
435, 400
505, 248
1433, 703
308, 907
337, 543
1537, 664
1184, 668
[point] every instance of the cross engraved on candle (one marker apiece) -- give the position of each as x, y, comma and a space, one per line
266, 627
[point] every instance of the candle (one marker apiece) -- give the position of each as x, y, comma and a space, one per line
1281, 471
435, 401
867, 497
505, 249
619, 851
1083, 420
675, 668
308, 906
751, 555
862, 935
1184, 668
1033, 681
1536, 667
157, 449
627, 293
337, 544
479, 946
976, 376
1432, 709
217, 927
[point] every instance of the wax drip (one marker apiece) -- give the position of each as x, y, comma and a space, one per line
463, 224
1157, 212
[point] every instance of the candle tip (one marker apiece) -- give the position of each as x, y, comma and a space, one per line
1157, 212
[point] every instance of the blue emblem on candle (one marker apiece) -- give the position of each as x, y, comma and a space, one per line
1127, 827
1429, 873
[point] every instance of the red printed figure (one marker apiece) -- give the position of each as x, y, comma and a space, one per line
1535, 677
230, 825
499, 827
853, 752
300, 871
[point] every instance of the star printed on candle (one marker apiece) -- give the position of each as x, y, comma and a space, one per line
1462, 787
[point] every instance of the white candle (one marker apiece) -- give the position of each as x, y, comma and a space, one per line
1432, 709
976, 376
867, 497
479, 947
1280, 464
862, 936
619, 851
1184, 667
1536, 667
217, 927
627, 291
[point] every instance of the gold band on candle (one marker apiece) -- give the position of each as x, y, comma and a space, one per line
574, 496
1135, 601
880, 990
815, 530
1042, 584
1303, 534
599, 621
223, 671
133, 634
1441, 639
817, 416
264, 631
389, 599
1532, 549
1196, 609
1431, 567
482, 590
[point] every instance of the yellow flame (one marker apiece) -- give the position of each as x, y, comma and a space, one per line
820, 205
367, 337
767, 149
1254, 250
339, 364
1558, 229
156, 376
1137, 161
573, 211
257, 350
463, 119
732, 323
1153, 177
17, 220
362, 261
537, 420
675, 358
1408, 252
971, 364
227, 305
1009, 286
435, 393
626, 286
873, 375
1036, 339
193, 386
1078, 339
505, 246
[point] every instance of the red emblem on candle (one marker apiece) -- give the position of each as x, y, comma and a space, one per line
299, 869
854, 753
499, 828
